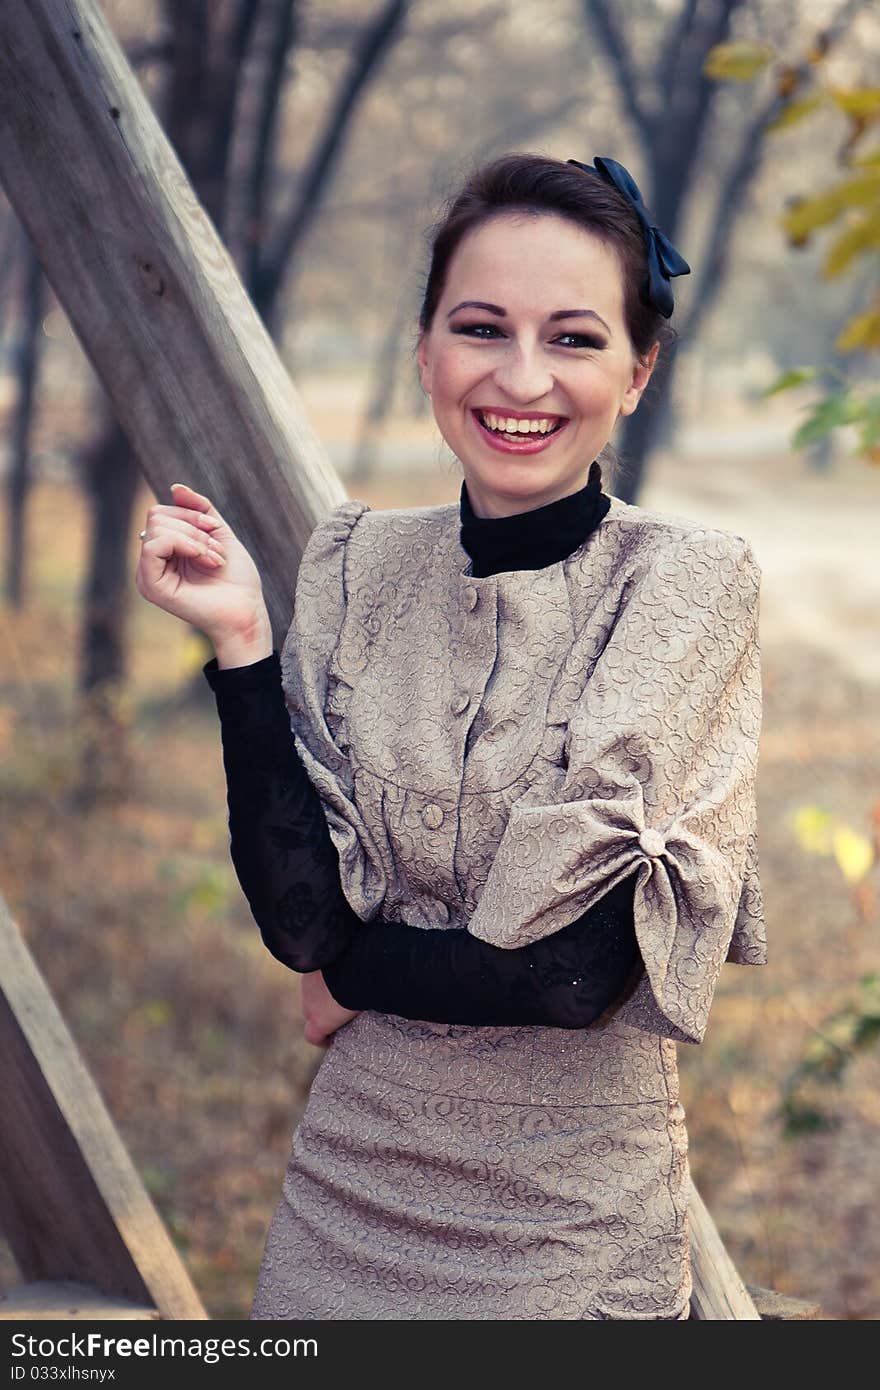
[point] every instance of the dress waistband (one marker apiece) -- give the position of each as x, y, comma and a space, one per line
608, 1063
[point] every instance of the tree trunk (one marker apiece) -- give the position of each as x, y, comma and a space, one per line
111, 481
378, 38
28, 357
382, 387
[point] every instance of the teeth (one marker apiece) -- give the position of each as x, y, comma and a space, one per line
505, 424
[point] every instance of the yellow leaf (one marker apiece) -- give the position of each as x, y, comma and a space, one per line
737, 62
808, 214
861, 333
795, 111
862, 190
853, 852
855, 240
813, 829
863, 101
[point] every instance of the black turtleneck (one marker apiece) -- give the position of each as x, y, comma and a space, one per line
288, 866
532, 540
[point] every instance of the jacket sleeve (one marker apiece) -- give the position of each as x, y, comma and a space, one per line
306, 669
288, 869
662, 761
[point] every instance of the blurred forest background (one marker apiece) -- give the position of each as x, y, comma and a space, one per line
321, 137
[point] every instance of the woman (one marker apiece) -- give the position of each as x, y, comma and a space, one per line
496, 799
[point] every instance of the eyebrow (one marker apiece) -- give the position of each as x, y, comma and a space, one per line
559, 314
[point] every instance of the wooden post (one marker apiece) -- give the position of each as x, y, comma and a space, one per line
158, 307
150, 290
72, 1205
719, 1293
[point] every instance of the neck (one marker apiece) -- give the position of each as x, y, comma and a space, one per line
532, 540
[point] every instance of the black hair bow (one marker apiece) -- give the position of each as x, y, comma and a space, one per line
663, 259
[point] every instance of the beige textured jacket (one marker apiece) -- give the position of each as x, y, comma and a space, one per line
498, 752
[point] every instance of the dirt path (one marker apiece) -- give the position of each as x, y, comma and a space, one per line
815, 536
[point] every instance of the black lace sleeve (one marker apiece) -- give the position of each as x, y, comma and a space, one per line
288, 868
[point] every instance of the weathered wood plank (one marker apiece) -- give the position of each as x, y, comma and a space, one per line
150, 289
781, 1307
69, 1302
72, 1205
719, 1293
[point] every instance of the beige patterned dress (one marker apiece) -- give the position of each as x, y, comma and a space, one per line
548, 732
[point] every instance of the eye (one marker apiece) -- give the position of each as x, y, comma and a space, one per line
579, 340
479, 330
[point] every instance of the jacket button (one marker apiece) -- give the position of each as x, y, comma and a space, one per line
432, 815
652, 842
459, 702
470, 598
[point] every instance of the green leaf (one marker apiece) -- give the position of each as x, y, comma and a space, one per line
800, 1118
737, 62
795, 376
795, 111
827, 415
869, 432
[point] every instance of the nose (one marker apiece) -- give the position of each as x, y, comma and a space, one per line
523, 374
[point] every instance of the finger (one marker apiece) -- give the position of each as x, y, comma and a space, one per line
168, 521
204, 520
158, 551
184, 495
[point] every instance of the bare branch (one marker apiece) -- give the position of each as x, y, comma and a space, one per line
531, 123
678, 136
229, 78
599, 16
281, 35
678, 31
376, 40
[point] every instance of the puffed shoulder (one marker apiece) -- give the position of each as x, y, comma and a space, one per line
325, 548
662, 749
319, 604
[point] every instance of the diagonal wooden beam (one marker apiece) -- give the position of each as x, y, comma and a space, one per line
719, 1292
150, 289
72, 1204
158, 307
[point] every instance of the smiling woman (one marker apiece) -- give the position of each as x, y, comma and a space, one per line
495, 799
511, 373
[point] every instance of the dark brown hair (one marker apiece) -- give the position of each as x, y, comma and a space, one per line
534, 185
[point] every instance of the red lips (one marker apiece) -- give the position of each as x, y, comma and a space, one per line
528, 443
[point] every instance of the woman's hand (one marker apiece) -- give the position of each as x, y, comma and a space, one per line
193, 566
321, 1012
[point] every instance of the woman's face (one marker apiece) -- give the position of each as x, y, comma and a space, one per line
528, 361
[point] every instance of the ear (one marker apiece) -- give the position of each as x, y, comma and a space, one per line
640, 377
422, 359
